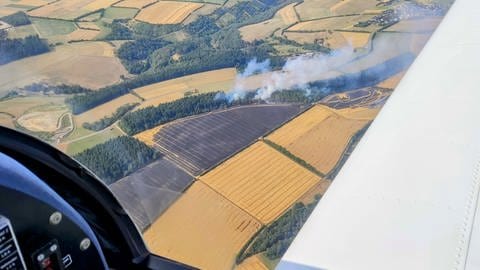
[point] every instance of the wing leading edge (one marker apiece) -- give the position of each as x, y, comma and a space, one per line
408, 196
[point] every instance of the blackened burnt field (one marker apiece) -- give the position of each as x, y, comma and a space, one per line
199, 143
148, 192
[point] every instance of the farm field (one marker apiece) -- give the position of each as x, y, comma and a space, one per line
332, 23
12, 109
167, 12
104, 110
282, 19
198, 143
261, 181
424, 25
201, 229
397, 48
320, 141
89, 64
334, 40
8, 7
80, 144
151, 190
206, 9
119, 13
393, 81
43, 119
155, 94
148, 136
134, 3
82, 35
70, 10
22, 31
88, 26
252, 263
315, 9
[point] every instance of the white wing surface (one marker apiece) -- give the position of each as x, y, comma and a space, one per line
408, 196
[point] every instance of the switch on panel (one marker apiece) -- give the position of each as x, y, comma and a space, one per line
10, 255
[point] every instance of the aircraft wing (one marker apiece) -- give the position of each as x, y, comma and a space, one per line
408, 196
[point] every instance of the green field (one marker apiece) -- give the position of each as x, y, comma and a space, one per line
88, 142
119, 13
50, 27
22, 31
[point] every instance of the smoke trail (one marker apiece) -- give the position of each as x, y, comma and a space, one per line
297, 72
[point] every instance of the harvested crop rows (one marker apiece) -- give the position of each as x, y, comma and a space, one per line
167, 12
201, 229
147, 193
319, 136
261, 181
201, 142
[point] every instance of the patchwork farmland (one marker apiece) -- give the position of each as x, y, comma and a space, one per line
69, 10
147, 193
167, 12
198, 143
261, 181
170, 90
94, 62
318, 136
202, 229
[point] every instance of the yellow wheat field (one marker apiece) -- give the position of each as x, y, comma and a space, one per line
334, 23
300, 125
89, 64
360, 113
33, 3
105, 109
356, 39
313, 9
134, 3
147, 136
167, 12
99, 4
261, 180
155, 94
319, 137
252, 263
319, 189
82, 35
69, 9
201, 229
282, 19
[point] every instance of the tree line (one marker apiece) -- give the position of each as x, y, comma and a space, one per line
109, 120
16, 19
117, 158
14, 49
150, 117
275, 238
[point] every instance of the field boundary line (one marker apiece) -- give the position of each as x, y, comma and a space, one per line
284, 151
223, 196
352, 143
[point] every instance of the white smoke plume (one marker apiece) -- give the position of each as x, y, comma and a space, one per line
297, 72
